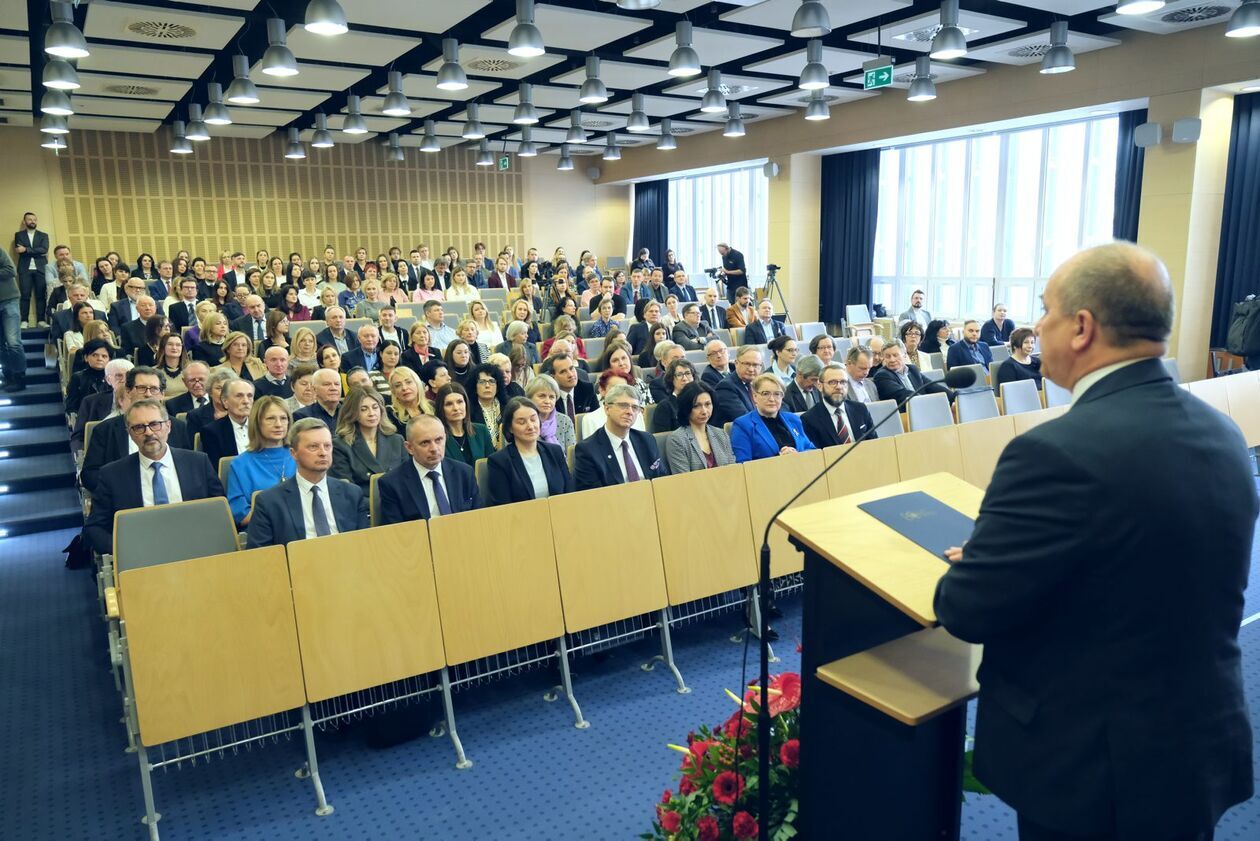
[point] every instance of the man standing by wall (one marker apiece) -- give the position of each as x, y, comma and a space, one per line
31, 246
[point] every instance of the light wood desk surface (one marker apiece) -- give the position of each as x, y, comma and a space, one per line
770, 483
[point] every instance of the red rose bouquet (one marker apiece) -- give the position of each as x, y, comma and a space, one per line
718, 786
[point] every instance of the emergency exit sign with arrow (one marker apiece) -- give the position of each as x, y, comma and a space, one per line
877, 77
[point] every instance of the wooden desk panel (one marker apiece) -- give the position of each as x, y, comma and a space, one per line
213, 642
1025, 421
1244, 404
982, 443
929, 451
603, 583
367, 609
705, 533
495, 571
872, 466
770, 482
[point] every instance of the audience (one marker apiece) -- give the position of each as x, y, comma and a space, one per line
1021, 365
328, 390
862, 389
201, 417
767, 430
695, 445
265, 462
783, 358
555, 427
764, 327
366, 353
90, 380
970, 351
97, 407
303, 388
430, 483
229, 435
937, 337
912, 337
488, 387
898, 378
526, 467
666, 353
719, 364
732, 396
366, 441
677, 376
835, 419
997, 330
466, 440
275, 379
440, 334
109, 440
617, 452
801, 394
407, 398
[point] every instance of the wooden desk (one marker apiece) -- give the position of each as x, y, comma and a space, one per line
769, 483
929, 451
1025, 421
872, 466
982, 443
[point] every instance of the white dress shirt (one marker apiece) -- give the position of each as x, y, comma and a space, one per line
308, 519
621, 462
241, 431
594, 421
426, 484
169, 478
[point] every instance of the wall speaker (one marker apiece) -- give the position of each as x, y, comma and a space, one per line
593, 173
1148, 134
770, 170
1187, 130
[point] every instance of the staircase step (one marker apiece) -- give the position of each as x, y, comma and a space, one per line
28, 415
37, 441
38, 511
42, 375
36, 473
34, 393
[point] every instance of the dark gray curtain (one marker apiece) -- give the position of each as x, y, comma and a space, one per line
651, 218
850, 208
1129, 161
1238, 262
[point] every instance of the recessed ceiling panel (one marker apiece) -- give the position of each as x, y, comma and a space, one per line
450, 128
419, 108
141, 62
777, 14
349, 48
620, 75
836, 61
655, 106
251, 132
593, 121
415, 140
261, 116
1066, 8
381, 125
16, 101
734, 86
425, 86
749, 113
916, 33
102, 84
117, 107
496, 62
573, 29
338, 137
13, 13
832, 96
498, 114
17, 79
17, 118
159, 25
286, 99
546, 96
324, 77
711, 44
1176, 16
417, 15
89, 123
1029, 49
14, 50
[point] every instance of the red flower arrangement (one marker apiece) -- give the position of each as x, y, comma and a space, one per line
717, 795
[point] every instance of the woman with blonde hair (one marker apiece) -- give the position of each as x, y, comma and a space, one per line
238, 357
468, 331
302, 347
460, 289
417, 352
391, 294
407, 399
372, 303
212, 334
365, 441
487, 330
266, 462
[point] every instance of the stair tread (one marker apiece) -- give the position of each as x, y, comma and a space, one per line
33, 467
37, 505
31, 410
34, 435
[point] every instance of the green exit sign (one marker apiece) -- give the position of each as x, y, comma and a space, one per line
505, 163
877, 77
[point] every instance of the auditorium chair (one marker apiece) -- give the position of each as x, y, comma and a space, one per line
928, 411
1020, 396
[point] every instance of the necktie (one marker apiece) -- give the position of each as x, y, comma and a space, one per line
199, 402
160, 496
568, 407
318, 514
258, 330
192, 314
443, 504
632, 474
842, 429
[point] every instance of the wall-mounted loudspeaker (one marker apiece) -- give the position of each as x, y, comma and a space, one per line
770, 170
1187, 130
593, 173
1148, 134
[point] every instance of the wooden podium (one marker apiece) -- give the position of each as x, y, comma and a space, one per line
884, 686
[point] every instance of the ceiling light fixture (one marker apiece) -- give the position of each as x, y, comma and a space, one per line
817, 108
527, 149
430, 141
484, 157
63, 39
1138, 7
56, 142
525, 41
668, 142
612, 152
565, 163
922, 88
60, 75
949, 41
216, 113
395, 153
637, 5
57, 103
1245, 22
242, 90
714, 102
576, 134
54, 125
197, 128
322, 139
637, 123
396, 104
811, 20
354, 122
326, 17
295, 150
684, 61
179, 143
279, 59
472, 126
814, 76
451, 76
593, 91
1059, 59
734, 121
525, 113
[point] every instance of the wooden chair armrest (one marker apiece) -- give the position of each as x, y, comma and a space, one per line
111, 602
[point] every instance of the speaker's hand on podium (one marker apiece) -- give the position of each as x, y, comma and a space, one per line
953, 554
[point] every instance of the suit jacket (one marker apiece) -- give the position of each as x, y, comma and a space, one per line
717, 323
131, 336
584, 399
692, 338
245, 324
510, 483
794, 400
110, 443
198, 419
638, 336
94, 407
684, 293
354, 359
594, 465
180, 318
657, 388
1111, 694
755, 334
711, 376
959, 355
735, 317
277, 518
751, 438
119, 490
59, 323
158, 290
730, 400
120, 314
264, 387
315, 410
891, 388
325, 337
36, 248
218, 440
182, 403
820, 425
356, 463
403, 500
684, 455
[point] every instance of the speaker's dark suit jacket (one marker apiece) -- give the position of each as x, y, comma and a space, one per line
119, 490
357, 463
109, 444
890, 387
403, 500
820, 423
1105, 579
595, 465
277, 518
510, 483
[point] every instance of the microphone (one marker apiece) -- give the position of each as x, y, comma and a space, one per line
954, 379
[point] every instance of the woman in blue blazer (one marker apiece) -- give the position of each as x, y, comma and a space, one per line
527, 467
767, 430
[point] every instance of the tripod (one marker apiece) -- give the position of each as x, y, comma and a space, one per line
772, 288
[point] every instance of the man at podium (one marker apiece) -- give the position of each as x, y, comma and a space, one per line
1105, 579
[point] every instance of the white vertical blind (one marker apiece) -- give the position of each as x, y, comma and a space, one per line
731, 207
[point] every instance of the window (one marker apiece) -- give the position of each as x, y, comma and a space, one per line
984, 219
730, 207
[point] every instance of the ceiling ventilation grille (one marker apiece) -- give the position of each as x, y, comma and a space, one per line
1195, 14
162, 30
131, 90
1030, 51
492, 65
927, 33
682, 130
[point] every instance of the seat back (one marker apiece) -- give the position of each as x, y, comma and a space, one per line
353, 325
661, 438
857, 314
577, 424
164, 534
1001, 353
928, 411
810, 329
695, 357
374, 499
482, 471
224, 464
1056, 395
885, 411
87, 433
982, 375
938, 360
594, 347
976, 405
1020, 396
933, 375
724, 334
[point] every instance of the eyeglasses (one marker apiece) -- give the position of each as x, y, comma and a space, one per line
684, 375
716, 353
147, 389
151, 426
486, 381
770, 394
625, 407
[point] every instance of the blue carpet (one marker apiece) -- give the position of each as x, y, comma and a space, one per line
65, 775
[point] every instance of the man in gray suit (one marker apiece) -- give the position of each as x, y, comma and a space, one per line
916, 313
858, 363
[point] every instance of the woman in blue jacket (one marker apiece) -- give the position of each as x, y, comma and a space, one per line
767, 430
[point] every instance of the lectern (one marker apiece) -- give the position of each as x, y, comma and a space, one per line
884, 686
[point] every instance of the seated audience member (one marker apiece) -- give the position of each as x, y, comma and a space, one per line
692, 333
81, 315
504, 363
555, 427
862, 387
434, 375
328, 388
109, 438
603, 322
597, 417
133, 334
489, 398
677, 376
834, 419
666, 353
997, 330
387, 330
150, 333
466, 440
695, 445
202, 416
764, 328
407, 399
467, 331
275, 380
640, 333
154, 474
390, 356
303, 348
440, 333
327, 300
526, 467
616, 358
488, 331
1021, 365
169, 359
266, 461
93, 331
937, 338
658, 339
617, 452
801, 394
209, 339
824, 347
193, 394
328, 357
355, 378
98, 407
575, 395
303, 388
732, 395
372, 303
430, 483
90, 380
326, 507
522, 371
459, 361
254, 322
741, 313
366, 355
366, 441
768, 430
238, 357
277, 332
565, 329
417, 352
335, 333
875, 344
970, 351
460, 289
349, 299
912, 338
229, 435
517, 334
718, 357
898, 378
427, 289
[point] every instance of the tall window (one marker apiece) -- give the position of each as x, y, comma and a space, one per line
730, 207
987, 219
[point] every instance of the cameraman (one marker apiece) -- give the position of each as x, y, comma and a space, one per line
734, 273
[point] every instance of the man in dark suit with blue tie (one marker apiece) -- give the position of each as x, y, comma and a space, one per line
428, 484
680, 287
970, 351
184, 311
1105, 579
765, 328
617, 453
153, 475
310, 504
835, 420
732, 396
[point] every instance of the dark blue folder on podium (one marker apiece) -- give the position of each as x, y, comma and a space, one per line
922, 519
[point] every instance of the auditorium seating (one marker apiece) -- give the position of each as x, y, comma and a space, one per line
927, 411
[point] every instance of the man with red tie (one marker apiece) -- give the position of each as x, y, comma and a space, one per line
836, 419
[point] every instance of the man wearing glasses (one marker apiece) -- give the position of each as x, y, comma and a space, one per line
154, 474
718, 357
617, 453
110, 441
733, 394
127, 309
